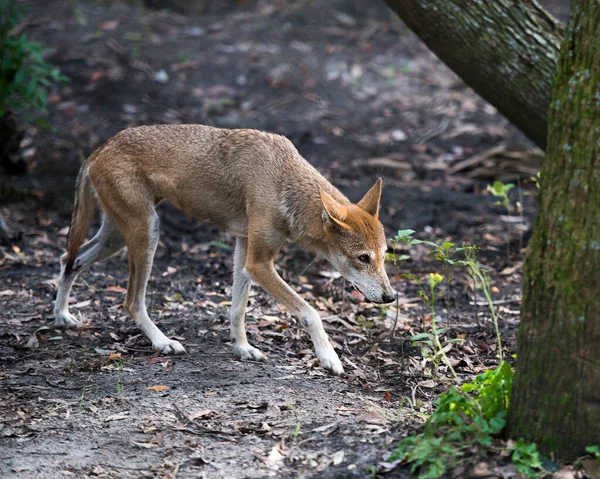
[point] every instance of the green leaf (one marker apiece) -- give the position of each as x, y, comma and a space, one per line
446, 245
420, 336
24, 75
401, 234
42, 123
594, 451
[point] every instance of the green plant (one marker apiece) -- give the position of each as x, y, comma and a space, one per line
594, 451
536, 179
444, 252
82, 404
24, 75
296, 432
500, 190
527, 459
492, 390
298, 427
364, 323
397, 260
119, 367
432, 339
433, 348
465, 417
372, 470
481, 279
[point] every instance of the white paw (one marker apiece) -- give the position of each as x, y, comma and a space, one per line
170, 347
329, 360
65, 320
247, 352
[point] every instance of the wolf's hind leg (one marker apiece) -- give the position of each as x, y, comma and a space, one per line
107, 242
239, 302
141, 237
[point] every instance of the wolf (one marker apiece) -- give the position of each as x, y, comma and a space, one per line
250, 183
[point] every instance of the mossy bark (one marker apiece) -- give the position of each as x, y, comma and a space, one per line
506, 50
556, 393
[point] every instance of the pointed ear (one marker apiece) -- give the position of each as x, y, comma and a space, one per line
370, 202
334, 212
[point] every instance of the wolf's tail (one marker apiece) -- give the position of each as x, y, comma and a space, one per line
83, 210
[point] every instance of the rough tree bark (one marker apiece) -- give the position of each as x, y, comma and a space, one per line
556, 394
506, 50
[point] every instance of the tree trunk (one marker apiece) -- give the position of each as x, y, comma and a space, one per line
556, 394
506, 50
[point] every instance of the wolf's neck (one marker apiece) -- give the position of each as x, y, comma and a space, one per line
301, 209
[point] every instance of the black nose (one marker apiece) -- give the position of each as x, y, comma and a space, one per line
388, 297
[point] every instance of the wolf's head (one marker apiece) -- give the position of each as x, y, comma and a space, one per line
357, 245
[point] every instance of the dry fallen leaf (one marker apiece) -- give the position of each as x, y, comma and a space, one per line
158, 388
591, 467
117, 289
428, 384
145, 445
275, 458
97, 75
566, 472
170, 270
32, 342
109, 25
338, 458
116, 417
372, 417
82, 304
200, 414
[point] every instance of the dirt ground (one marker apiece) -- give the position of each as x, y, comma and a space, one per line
360, 97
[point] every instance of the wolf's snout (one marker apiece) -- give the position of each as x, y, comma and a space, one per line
388, 297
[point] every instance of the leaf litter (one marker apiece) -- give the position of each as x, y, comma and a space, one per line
102, 388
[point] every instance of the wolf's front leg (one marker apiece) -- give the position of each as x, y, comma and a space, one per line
239, 302
265, 275
325, 353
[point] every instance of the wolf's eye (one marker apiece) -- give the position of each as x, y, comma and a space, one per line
364, 258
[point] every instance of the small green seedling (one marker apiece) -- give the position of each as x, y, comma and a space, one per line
119, 367
397, 259
82, 403
444, 252
481, 280
536, 179
500, 190
432, 346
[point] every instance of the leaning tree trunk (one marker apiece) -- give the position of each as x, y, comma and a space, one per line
556, 395
506, 50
